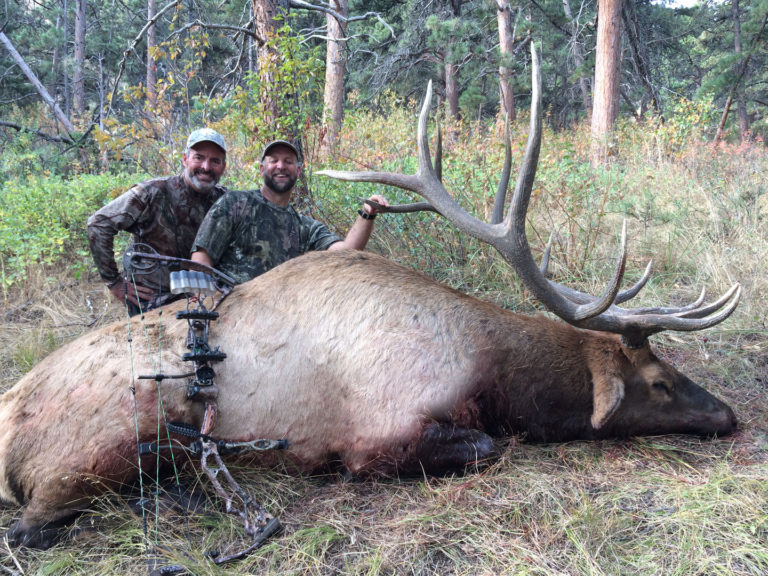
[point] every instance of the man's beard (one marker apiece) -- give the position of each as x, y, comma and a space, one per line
202, 186
281, 188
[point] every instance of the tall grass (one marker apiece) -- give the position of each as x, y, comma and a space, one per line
653, 506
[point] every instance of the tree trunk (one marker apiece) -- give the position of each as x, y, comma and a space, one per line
741, 104
267, 59
78, 79
452, 88
506, 45
737, 81
577, 52
451, 70
35, 82
605, 108
335, 69
640, 53
65, 69
151, 64
56, 57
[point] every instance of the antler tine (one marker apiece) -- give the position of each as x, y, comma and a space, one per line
544, 266
501, 192
668, 309
636, 329
400, 208
702, 311
580, 298
426, 184
630, 293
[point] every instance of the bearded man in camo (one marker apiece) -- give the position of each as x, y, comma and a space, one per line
164, 213
247, 233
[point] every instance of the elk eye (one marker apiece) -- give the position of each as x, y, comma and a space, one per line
661, 386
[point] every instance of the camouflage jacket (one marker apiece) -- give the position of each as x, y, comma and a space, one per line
164, 213
246, 235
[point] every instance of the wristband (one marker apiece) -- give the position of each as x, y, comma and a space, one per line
366, 216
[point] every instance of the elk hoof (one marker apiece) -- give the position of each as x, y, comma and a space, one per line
40, 537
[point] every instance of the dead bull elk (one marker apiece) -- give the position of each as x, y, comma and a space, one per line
359, 361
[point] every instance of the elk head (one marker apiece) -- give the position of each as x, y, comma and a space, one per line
508, 237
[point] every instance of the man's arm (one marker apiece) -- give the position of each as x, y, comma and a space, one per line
215, 232
361, 230
102, 227
202, 257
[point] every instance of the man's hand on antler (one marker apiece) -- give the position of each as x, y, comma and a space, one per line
373, 205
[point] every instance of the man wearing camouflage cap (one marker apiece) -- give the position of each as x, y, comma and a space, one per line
249, 232
164, 213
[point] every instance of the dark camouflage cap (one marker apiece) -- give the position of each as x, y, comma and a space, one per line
206, 135
285, 143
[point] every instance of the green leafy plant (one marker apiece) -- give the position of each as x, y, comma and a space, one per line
291, 82
42, 219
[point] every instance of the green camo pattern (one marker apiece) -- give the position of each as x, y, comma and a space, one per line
246, 235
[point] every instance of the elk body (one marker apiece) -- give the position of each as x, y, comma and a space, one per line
355, 360
362, 363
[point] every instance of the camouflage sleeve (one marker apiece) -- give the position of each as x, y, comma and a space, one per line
317, 234
120, 214
215, 232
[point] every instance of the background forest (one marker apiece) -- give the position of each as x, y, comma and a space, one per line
96, 94
655, 113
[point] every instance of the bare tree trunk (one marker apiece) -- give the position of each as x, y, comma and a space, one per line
56, 58
577, 51
741, 104
35, 82
78, 79
451, 70
452, 88
66, 79
605, 108
151, 64
640, 53
335, 69
506, 45
742, 71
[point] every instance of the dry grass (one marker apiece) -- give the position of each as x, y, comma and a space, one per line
651, 506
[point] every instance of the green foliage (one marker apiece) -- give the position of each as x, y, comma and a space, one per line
281, 99
42, 220
26, 154
689, 120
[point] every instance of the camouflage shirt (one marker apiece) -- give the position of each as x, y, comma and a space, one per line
246, 235
164, 213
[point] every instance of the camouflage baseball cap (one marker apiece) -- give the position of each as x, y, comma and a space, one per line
206, 135
285, 143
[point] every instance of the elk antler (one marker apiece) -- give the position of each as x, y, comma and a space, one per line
509, 239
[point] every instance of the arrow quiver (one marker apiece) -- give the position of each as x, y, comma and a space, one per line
198, 286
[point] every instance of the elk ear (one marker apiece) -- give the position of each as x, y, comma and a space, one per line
608, 394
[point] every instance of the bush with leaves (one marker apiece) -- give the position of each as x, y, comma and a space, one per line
42, 220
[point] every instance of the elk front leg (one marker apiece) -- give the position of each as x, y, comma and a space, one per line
445, 447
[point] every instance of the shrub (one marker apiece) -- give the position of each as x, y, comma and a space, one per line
42, 219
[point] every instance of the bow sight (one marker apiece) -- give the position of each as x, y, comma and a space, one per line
141, 259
